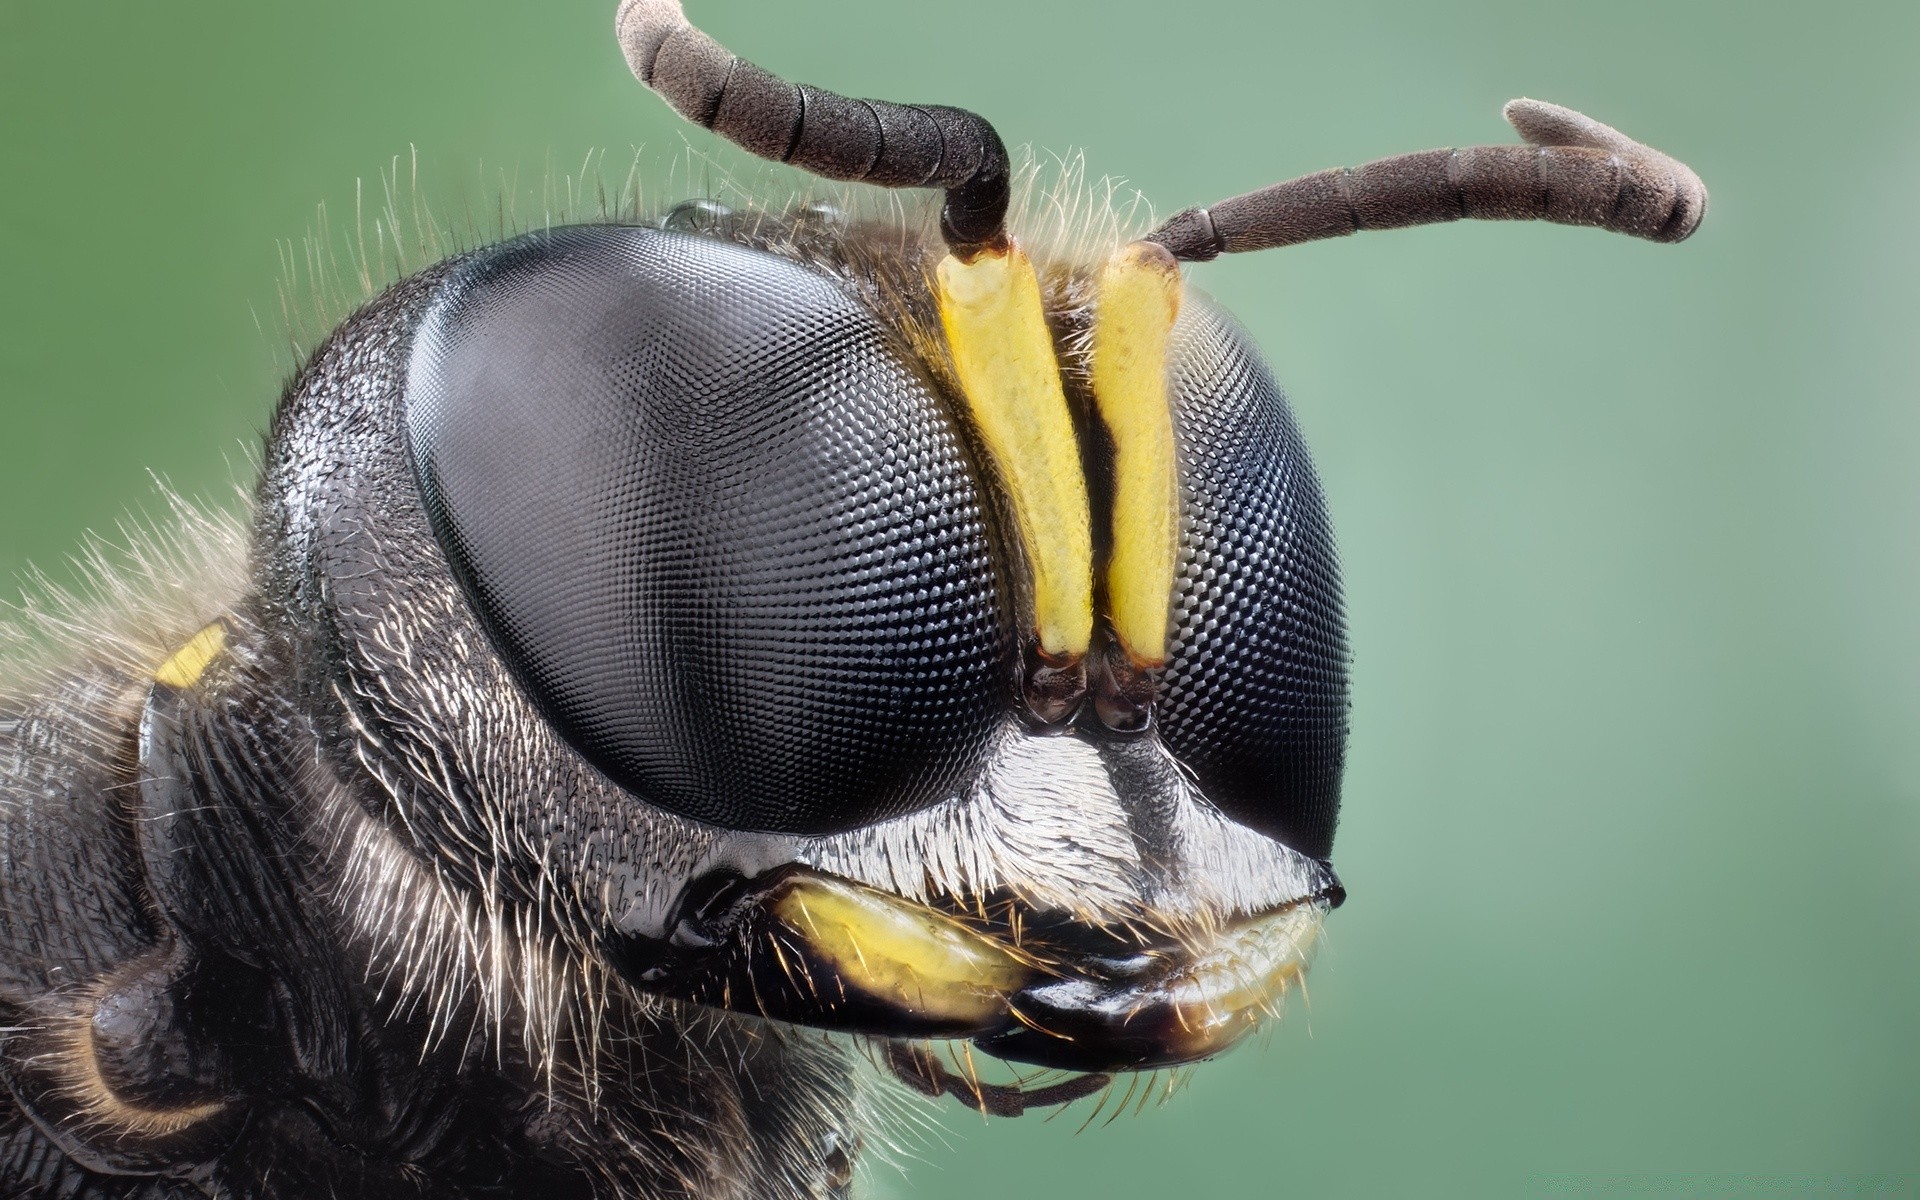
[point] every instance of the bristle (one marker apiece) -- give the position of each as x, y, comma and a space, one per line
136, 600
1067, 221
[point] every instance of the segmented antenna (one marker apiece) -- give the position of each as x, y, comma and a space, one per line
1573, 171
862, 141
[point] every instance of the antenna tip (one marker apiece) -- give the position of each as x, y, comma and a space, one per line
643, 26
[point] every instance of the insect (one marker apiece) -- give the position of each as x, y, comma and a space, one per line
678, 675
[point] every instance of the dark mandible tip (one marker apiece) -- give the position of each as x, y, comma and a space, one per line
861, 141
1572, 170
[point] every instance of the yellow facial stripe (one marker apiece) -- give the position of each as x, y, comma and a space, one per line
902, 953
1003, 354
1139, 299
190, 661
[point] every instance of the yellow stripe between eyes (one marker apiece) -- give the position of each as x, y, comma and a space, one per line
1139, 300
1003, 354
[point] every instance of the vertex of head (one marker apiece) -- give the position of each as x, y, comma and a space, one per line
1571, 170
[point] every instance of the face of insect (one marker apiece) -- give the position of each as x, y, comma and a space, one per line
811, 619
675, 554
816, 624
653, 637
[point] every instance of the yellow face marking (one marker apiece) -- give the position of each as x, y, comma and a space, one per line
190, 661
902, 953
1139, 299
1003, 355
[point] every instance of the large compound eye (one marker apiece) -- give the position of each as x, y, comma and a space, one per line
722, 531
1255, 695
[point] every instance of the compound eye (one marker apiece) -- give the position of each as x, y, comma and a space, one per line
1255, 694
715, 521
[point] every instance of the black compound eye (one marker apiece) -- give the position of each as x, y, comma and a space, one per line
720, 528
1255, 694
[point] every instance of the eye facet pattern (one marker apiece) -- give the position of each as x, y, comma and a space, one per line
1254, 699
722, 531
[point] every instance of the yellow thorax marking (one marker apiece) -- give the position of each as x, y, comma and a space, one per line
1003, 354
1139, 299
190, 661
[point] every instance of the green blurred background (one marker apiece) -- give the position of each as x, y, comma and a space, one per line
1633, 816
